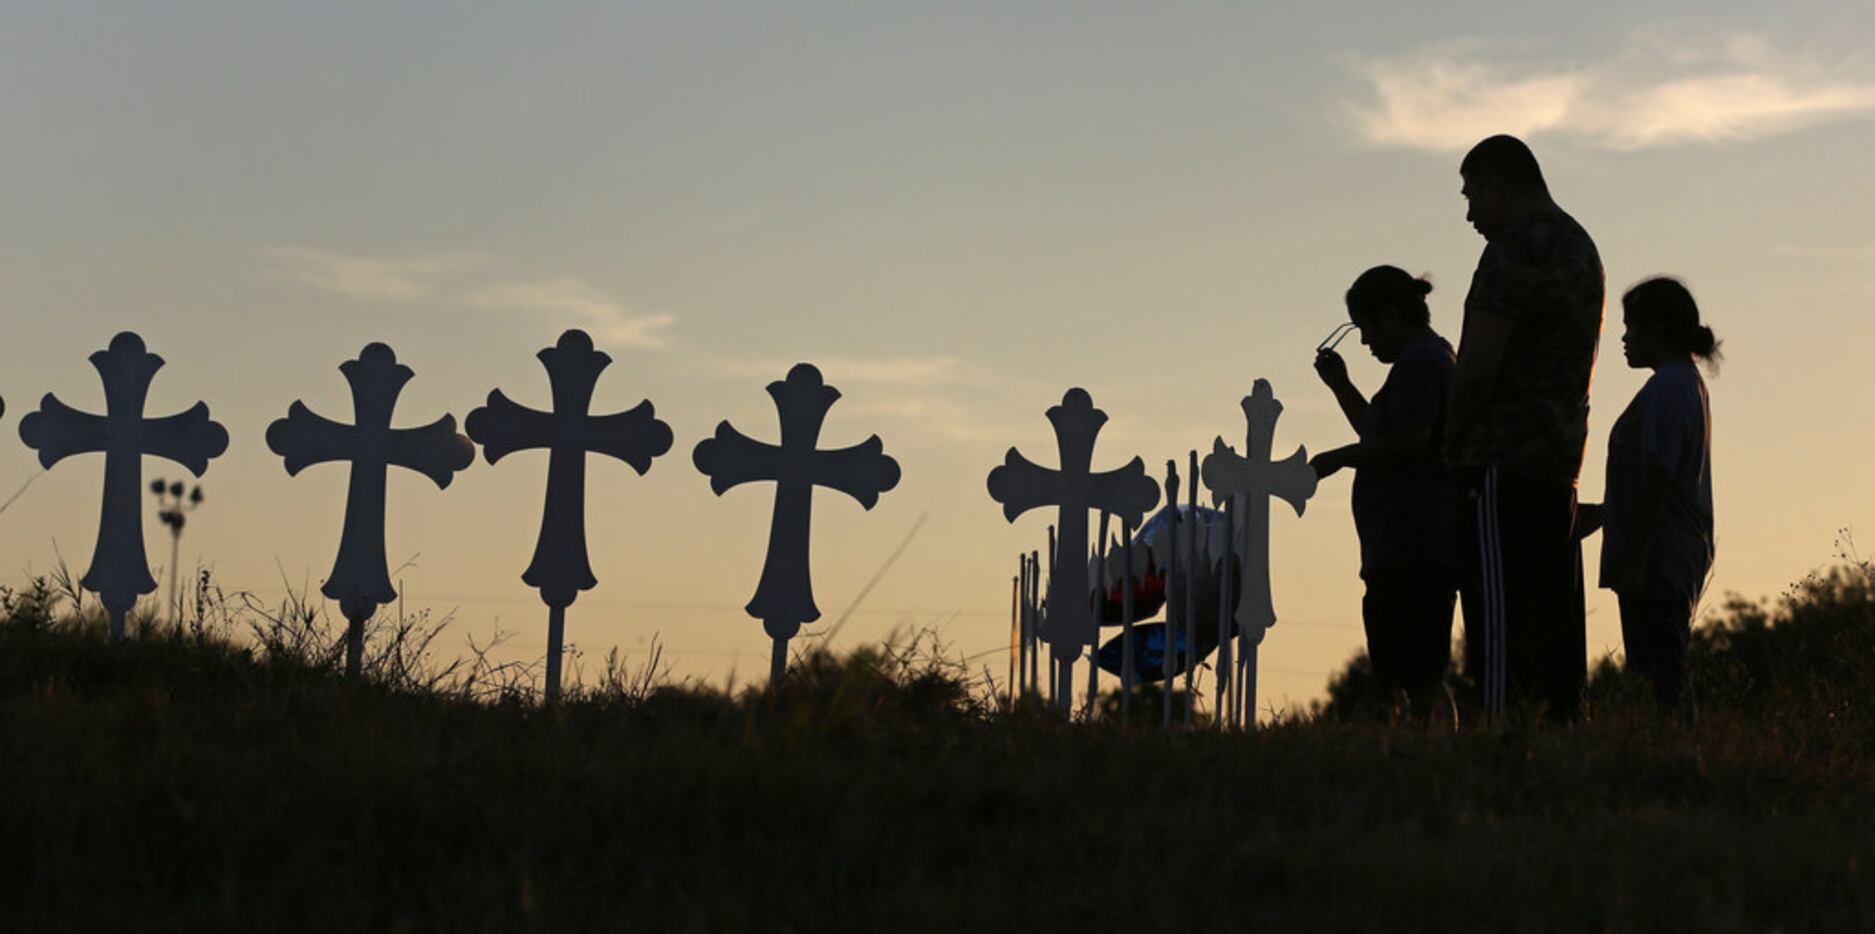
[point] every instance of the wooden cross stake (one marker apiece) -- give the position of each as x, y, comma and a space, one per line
120, 570
361, 577
1074, 489
561, 568
1257, 478
784, 598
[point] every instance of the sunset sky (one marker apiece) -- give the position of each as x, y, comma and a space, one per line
956, 210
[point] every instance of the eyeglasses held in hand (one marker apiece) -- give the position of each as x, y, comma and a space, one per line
1334, 337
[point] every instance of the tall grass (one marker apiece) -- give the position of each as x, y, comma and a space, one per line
220, 773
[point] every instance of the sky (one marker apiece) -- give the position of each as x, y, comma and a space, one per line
957, 211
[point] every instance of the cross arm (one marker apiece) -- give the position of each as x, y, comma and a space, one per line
436, 450
58, 431
862, 471
731, 458
636, 436
304, 438
504, 426
189, 438
1126, 492
1021, 485
1291, 479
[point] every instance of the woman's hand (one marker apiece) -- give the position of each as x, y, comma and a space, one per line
1328, 463
1332, 369
1588, 519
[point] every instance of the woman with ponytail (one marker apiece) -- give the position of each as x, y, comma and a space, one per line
1657, 543
1404, 498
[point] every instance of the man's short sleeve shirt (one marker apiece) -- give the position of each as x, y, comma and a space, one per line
1545, 277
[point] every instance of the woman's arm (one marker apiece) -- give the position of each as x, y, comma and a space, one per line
1334, 372
1397, 446
1651, 509
1588, 519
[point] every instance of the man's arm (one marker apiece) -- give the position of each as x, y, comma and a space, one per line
1479, 358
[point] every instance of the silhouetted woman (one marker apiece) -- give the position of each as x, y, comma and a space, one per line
1656, 516
1404, 498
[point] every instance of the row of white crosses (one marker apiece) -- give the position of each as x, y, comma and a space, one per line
360, 580
1242, 484
560, 569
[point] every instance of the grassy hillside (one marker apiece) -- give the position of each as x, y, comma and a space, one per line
220, 775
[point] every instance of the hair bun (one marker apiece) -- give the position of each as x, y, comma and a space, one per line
1394, 291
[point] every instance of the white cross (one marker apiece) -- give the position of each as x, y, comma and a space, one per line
1256, 478
1021, 485
119, 571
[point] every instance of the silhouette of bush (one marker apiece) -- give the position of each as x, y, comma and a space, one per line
1817, 641
1807, 653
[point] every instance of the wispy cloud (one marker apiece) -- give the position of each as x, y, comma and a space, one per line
1652, 93
937, 397
372, 279
565, 300
930, 371
570, 301
950, 419
1853, 252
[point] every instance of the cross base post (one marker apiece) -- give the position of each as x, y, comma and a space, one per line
1248, 682
1064, 696
556, 636
355, 645
777, 664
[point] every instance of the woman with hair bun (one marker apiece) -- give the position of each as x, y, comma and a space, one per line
1656, 518
1404, 498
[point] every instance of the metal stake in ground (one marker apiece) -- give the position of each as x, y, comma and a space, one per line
1126, 624
1021, 485
1015, 634
1226, 682
560, 568
1194, 563
1171, 591
120, 570
361, 577
1093, 644
1054, 664
1022, 626
1035, 619
784, 598
1257, 478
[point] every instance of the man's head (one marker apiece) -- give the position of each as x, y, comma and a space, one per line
1502, 184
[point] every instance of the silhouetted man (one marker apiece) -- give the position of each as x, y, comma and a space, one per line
1517, 428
